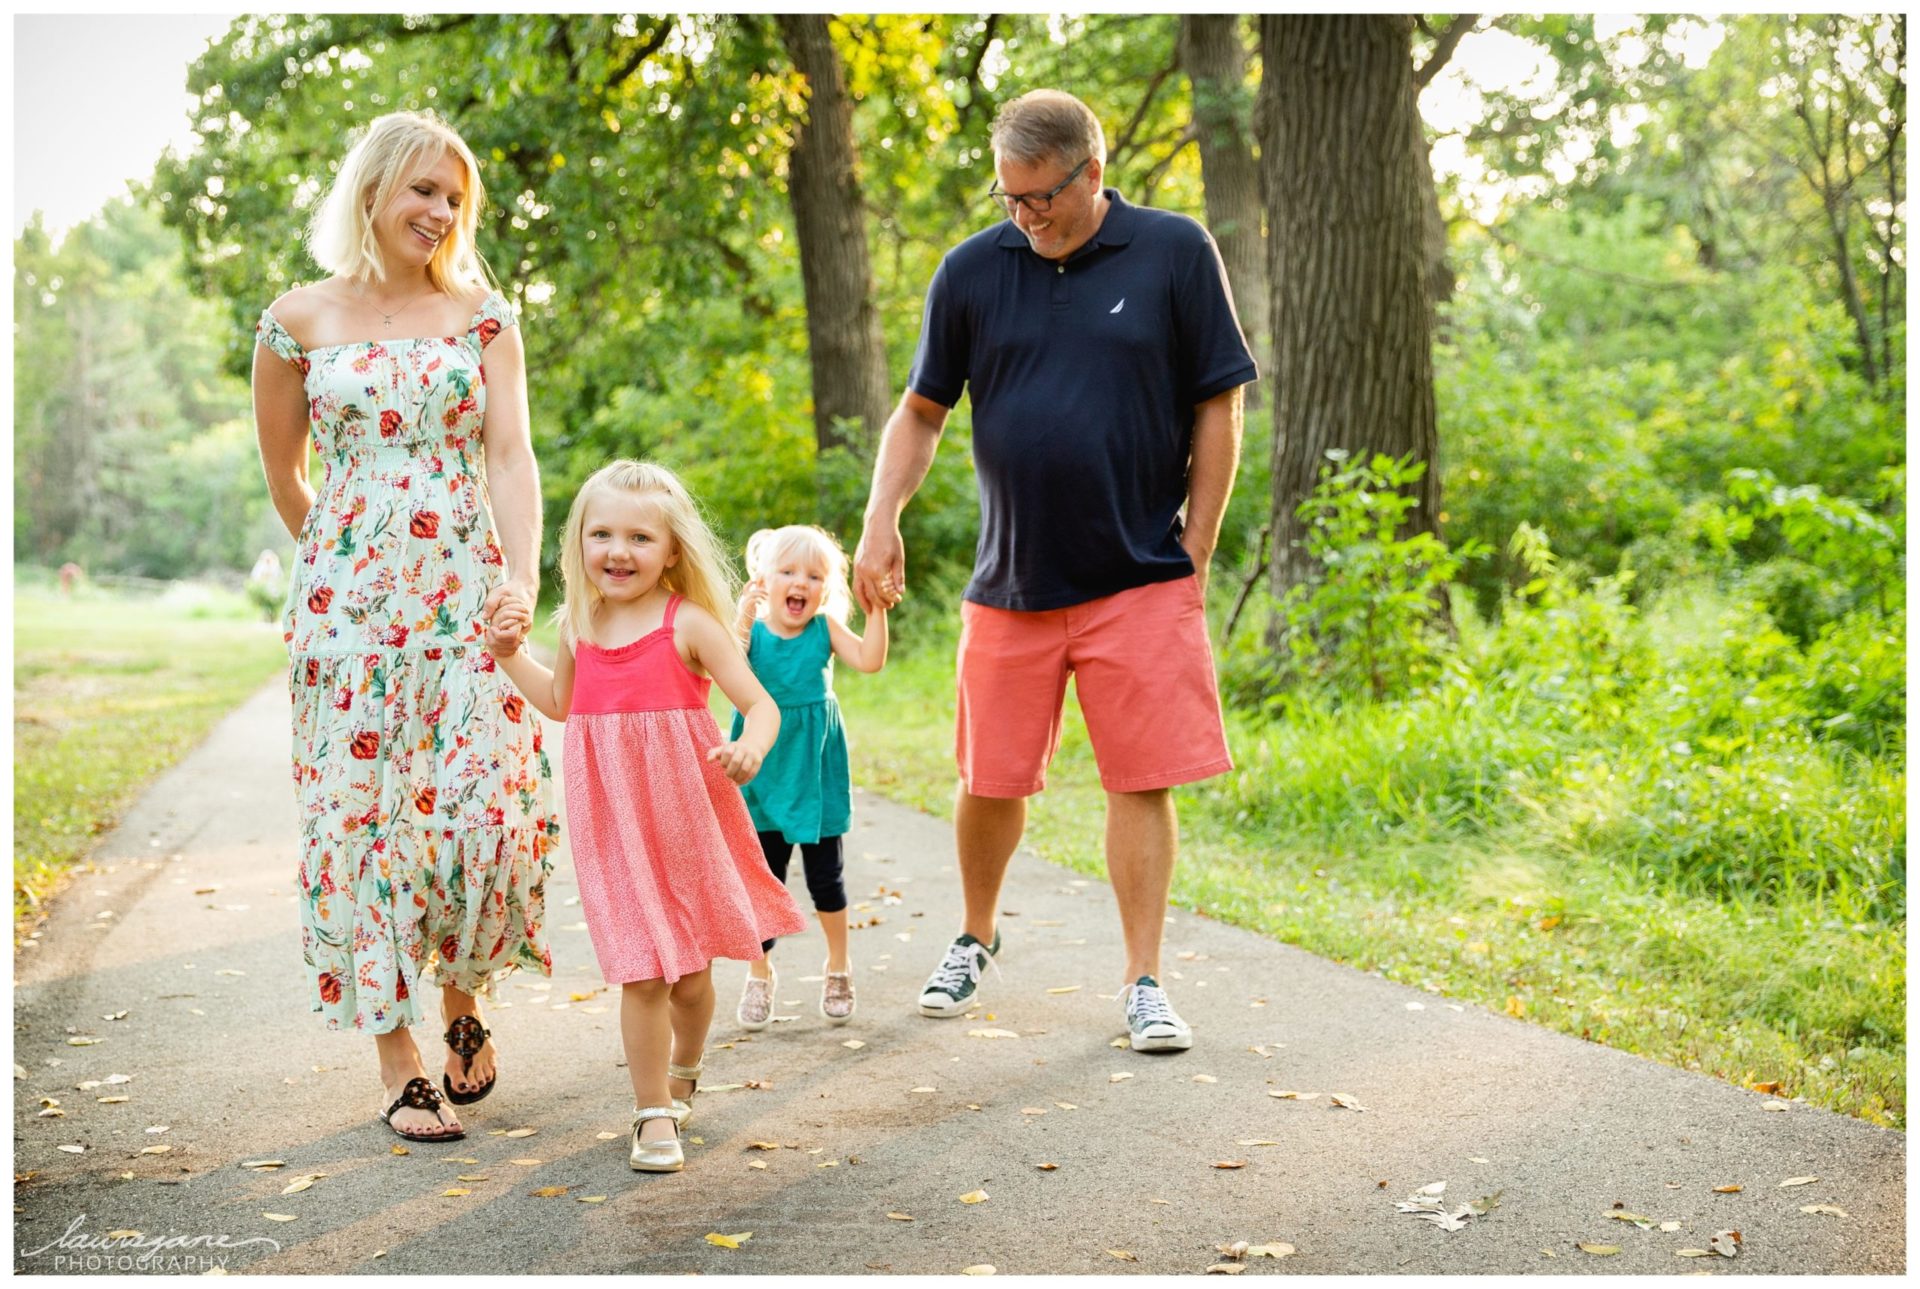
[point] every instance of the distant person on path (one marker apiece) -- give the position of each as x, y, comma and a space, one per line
425, 799
792, 623
1100, 345
670, 874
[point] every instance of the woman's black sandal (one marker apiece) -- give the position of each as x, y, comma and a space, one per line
466, 1036
418, 1095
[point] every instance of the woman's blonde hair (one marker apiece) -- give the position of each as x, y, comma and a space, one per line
703, 574
768, 547
395, 151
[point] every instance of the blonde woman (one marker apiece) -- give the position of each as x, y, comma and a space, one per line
425, 798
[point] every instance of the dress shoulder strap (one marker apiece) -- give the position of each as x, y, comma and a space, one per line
673, 607
279, 340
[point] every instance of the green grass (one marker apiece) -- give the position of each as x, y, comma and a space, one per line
1514, 912
109, 689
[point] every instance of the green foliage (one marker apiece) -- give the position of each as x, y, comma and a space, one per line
1367, 623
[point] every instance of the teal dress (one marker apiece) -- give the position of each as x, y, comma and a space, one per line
803, 790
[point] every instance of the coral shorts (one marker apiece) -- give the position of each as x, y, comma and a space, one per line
1143, 669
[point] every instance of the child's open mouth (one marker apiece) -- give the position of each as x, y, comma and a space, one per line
796, 605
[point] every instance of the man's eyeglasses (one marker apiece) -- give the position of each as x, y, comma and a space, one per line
1039, 203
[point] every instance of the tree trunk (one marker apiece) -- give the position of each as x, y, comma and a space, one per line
1433, 225
1216, 65
850, 391
1353, 364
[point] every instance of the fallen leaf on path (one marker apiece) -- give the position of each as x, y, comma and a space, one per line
279, 1217
79, 1150
1776, 1106
125, 1235
83, 1040
229, 971
763, 1145
525, 1163
1725, 1243
901, 1217
614, 1136
118, 1078
114, 1016
991, 1033
1475, 1159
1226, 1268
1599, 1250
472, 1177
1644, 1223
454, 1192
1119, 1042
1345, 1101
156, 1150
1827, 1209
522, 1132
1669, 1227
1486, 1203
728, 1241
111, 1100
1454, 1221
281, 1163
978, 1269
1066, 1105
1291, 1096
1064, 989
1726, 1190
1799, 1181
1120, 1077
1275, 1250
757, 1163
974, 1197
923, 1089
1769, 1088
853, 1044
1124, 1255
158, 1128
302, 1183
1236, 1251
1229, 1163
1032, 1109
1255, 1141
1204, 1078
1046, 1168
589, 1199
1693, 1253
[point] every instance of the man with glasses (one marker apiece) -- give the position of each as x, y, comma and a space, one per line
1100, 346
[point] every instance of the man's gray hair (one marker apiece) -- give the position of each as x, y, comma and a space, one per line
1048, 125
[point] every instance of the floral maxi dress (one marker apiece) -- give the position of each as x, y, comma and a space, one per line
425, 796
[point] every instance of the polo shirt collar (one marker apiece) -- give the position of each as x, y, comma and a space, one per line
1115, 230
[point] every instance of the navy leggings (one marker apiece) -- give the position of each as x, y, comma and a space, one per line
823, 864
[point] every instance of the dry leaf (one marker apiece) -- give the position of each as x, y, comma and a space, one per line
1345, 1101
1798, 1181
281, 1163
525, 1163
901, 1217
1236, 1251
756, 1163
763, 1145
1255, 1141
454, 1192
548, 1192
1032, 1109
978, 1269
1275, 1250
156, 1150
1120, 1042
1123, 1255
472, 1177
974, 1197
1121, 1077
80, 1150
1726, 1190
1204, 1078
125, 1235
1066, 1105
1828, 1209
1516, 1008
1768, 1088
1600, 1250
1226, 1268
923, 1089
401, 1150
1725, 1243
299, 1184
523, 1132
158, 1128
1669, 1227
1065, 989
1229, 1163
1779, 1107
278, 1217
991, 1033
1693, 1253
1046, 1168
590, 1199
614, 1136
853, 1044
1292, 1096
728, 1241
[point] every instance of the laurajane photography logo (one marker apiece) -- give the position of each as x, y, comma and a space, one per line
77, 1249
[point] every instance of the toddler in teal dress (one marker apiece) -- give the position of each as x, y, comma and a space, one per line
792, 623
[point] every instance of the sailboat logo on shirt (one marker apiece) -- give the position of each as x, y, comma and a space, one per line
1116, 308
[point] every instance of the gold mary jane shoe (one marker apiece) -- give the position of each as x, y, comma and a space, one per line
655, 1156
683, 1110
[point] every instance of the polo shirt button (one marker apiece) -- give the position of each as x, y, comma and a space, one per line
1060, 268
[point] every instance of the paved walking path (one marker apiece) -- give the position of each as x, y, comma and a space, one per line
188, 941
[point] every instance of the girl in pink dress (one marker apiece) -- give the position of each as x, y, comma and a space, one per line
671, 875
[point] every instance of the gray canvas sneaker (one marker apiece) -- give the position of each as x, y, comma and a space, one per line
950, 990
1152, 1025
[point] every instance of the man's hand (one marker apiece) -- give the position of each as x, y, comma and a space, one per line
741, 760
879, 567
1202, 562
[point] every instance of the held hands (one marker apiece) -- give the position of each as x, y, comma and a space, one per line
879, 569
509, 618
739, 759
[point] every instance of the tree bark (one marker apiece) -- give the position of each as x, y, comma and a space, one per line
1353, 363
850, 391
1216, 65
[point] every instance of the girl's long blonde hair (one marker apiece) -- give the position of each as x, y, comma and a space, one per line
768, 547
703, 574
395, 150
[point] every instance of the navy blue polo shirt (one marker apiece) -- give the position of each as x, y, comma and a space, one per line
1084, 375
